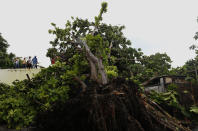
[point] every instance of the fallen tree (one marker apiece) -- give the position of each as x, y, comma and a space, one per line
82, 91
101, 104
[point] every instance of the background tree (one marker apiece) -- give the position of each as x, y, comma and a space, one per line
160, 63
191, 66
149, 66
6, 59
189, 69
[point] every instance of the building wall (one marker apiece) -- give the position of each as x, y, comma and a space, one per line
9, 75
155, 88
158, 88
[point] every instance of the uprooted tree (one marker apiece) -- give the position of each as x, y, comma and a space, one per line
95, 54
90, 88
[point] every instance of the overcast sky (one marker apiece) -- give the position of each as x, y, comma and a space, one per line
153, 25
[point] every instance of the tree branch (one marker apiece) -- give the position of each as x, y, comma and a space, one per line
84, 86
93, 70
111, 44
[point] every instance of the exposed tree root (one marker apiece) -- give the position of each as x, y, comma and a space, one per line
115, 107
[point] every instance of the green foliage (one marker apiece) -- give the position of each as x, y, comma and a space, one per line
147, 67
185, 92
194, 109
172, 87
22, 102
15, 109
170, 99
112, 72
194, 47
191, 66
188, 69
98, 46
6, 59
102, 10
160, 63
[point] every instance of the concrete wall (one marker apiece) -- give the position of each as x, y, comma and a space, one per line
158, 89
9, 75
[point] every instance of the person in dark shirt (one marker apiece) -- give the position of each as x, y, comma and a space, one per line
29, 63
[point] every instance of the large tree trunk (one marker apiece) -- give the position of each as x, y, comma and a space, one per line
96, 65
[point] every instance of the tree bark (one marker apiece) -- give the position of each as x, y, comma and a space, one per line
109, 55
84, 86
95, 64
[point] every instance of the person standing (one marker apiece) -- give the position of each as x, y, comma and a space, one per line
35, 62
29, 63
24, 63
52, 61
16, 63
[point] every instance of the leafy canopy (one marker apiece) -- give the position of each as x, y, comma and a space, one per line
5, 58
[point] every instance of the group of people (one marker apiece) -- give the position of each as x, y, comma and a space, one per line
26, 63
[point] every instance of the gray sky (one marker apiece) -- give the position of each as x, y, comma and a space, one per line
153, 25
